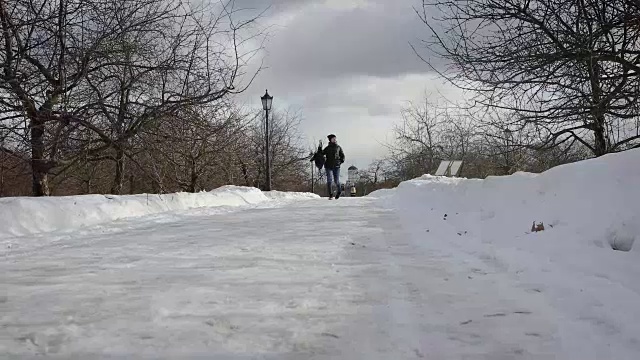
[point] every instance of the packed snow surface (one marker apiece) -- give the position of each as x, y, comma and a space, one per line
438, 268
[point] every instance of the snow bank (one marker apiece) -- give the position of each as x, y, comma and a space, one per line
586, 261
594, 203
290, 196
23, 215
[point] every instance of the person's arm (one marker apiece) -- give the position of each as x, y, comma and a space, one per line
341, 155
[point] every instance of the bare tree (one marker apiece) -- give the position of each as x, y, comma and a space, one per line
429, 134
374, 173
484, 142
194, 145
417, 136
567, 69
289, 159
112, 68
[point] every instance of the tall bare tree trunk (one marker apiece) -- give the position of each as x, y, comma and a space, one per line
194, 177
600, 142
131, 184
40, 184
118, 180
2, 160
600, 145
245, 174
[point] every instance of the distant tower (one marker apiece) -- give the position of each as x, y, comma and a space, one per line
352, 176
352, 179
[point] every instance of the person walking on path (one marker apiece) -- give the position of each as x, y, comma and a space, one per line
334, 158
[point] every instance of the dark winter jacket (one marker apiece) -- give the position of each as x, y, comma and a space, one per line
334, 155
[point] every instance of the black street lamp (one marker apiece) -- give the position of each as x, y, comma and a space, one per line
312, 155
266, 105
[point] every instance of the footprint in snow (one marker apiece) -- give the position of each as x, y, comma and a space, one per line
495, 315
520, 312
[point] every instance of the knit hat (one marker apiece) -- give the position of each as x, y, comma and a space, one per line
330, 137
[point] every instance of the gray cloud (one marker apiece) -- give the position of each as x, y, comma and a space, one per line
273, 6
347, 64
348, 98
370, 40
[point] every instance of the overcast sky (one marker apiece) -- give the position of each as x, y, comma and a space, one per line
347, 65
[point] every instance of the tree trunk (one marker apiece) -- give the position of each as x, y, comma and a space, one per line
3, 158
194, 178
600, 142
39, 169
245, 174
131, 184
156, 186
1, 180
600, 146
118, 180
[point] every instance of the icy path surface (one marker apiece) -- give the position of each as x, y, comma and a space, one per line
312, 280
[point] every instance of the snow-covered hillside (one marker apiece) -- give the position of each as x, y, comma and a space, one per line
24, 215
586, 262
590, 204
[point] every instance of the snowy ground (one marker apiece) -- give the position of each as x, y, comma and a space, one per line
316, 279
246, 275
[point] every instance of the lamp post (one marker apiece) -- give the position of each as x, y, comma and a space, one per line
312, 156
266, 105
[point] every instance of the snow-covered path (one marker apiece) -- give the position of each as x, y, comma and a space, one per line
310, 280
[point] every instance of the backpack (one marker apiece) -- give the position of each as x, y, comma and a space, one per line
318, 157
